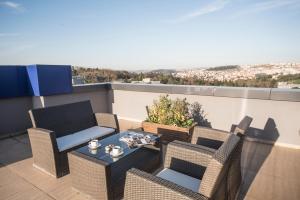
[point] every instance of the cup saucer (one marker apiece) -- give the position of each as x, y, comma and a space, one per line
116, 155
93, 151
92, 147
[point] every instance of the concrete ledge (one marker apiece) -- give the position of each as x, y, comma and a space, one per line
91, 87
142, 87
161, 88
217, 91
193, 90
285, 94
240, 92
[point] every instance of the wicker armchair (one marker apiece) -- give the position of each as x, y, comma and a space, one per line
55, 126
190, 172
214, 138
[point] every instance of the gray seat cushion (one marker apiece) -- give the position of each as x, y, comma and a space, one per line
180, 179
81, 137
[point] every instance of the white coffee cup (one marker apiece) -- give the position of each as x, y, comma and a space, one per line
116, 150
94, 143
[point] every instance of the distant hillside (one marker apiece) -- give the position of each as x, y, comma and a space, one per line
238, 79
96, 75
163, 71
223, 68
158, 71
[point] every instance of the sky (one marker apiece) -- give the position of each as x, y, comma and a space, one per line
149, 34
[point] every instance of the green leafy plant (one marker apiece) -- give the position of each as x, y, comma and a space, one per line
176, 112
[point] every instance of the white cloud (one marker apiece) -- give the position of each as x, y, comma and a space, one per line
12, 5
207, 9
265, 6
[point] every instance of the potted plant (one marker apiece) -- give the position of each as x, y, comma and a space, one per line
173, 119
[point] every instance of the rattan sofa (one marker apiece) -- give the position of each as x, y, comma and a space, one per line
190, 172
60, 129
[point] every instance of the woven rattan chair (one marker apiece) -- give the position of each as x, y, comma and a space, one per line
190, 172
214, 138
55, 127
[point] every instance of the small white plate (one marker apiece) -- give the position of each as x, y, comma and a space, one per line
116, 155
93, 151
99, 145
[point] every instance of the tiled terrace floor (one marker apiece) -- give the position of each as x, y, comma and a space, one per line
269, 173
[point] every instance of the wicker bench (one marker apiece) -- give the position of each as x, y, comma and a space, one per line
60, 129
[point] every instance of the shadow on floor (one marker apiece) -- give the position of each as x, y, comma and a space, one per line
14, 149
255, 157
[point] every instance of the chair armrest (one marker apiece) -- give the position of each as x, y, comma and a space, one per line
141, 185
187, 158
209, 133
108, 120
44, 149
42, 139
37, 136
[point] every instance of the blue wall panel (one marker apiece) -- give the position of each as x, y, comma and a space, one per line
33, 82
48, 80
13, 81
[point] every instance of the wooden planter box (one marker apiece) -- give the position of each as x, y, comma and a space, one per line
169, 133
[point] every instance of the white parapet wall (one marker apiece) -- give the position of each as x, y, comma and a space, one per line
98, 99
14, 115
275, 112
275, 121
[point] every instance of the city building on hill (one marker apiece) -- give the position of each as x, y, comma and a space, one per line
286, 85
77, 80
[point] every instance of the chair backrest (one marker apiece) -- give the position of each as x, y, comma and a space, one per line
243, 126
64, 119
108, 120
214, 182
234, 177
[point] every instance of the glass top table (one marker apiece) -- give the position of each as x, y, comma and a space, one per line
101, 154
102, 176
